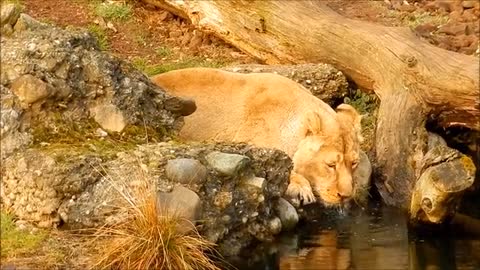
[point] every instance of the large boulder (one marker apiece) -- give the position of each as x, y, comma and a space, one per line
51, 186
56, 85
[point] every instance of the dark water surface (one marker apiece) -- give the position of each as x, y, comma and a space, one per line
375, 238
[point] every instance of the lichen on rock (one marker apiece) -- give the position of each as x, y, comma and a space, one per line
229, 207
57, 82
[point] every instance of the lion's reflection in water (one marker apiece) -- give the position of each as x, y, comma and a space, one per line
376, 238
324, 254
362, 242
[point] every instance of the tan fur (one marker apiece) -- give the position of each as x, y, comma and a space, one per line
270, 110
324, 253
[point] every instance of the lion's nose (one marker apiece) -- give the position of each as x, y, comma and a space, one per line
343, 197
345, 191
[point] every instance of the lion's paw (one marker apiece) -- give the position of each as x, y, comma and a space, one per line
301, 192
303, 252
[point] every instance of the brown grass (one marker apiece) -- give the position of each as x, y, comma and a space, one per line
150, 239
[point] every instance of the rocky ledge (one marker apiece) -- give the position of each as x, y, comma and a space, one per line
57, 85
232, 190
81, 128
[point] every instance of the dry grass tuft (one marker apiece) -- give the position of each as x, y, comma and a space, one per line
147, 240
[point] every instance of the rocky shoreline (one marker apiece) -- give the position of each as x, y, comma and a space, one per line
78, 123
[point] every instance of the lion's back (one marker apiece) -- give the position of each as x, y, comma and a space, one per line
259, 108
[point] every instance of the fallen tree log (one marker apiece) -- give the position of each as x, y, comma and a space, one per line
414, 80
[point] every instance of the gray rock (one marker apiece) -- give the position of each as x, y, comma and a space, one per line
435, 140
77, 85
258, 182
182, 202
13, 142
12, 137
30, 89
9, 120
225, 163
7, 30
109, 117
9, 14
233, 214
275, 225
100, 133
40, 185
287, 214
361, 178
25, 22
186, 171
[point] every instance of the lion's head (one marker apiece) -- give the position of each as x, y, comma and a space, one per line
329, 152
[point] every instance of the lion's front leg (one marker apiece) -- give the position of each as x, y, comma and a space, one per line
300, 189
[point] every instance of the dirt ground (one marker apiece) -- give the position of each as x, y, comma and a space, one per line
154, 40
153, 37
449, 24
149, 37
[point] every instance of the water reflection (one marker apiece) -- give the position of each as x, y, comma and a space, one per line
322, 251
377, 238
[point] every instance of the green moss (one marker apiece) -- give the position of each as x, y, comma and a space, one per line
59, 130
40, 249
141, 38
140, 63
113, 10
151, 70
163, 51
100, 35
65, 138
105, 149
362, 102
418, 18
141, 134
16, 242
366, 105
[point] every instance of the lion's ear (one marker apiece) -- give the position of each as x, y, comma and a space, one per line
312, 124
349, 113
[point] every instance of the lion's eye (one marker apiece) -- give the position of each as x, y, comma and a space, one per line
331, 165
354, 164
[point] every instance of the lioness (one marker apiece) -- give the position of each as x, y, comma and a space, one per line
270, 110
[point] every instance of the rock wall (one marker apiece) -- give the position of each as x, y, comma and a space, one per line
233, 189
81, 128
237, 187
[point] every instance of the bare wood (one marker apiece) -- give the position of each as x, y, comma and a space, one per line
397, 149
